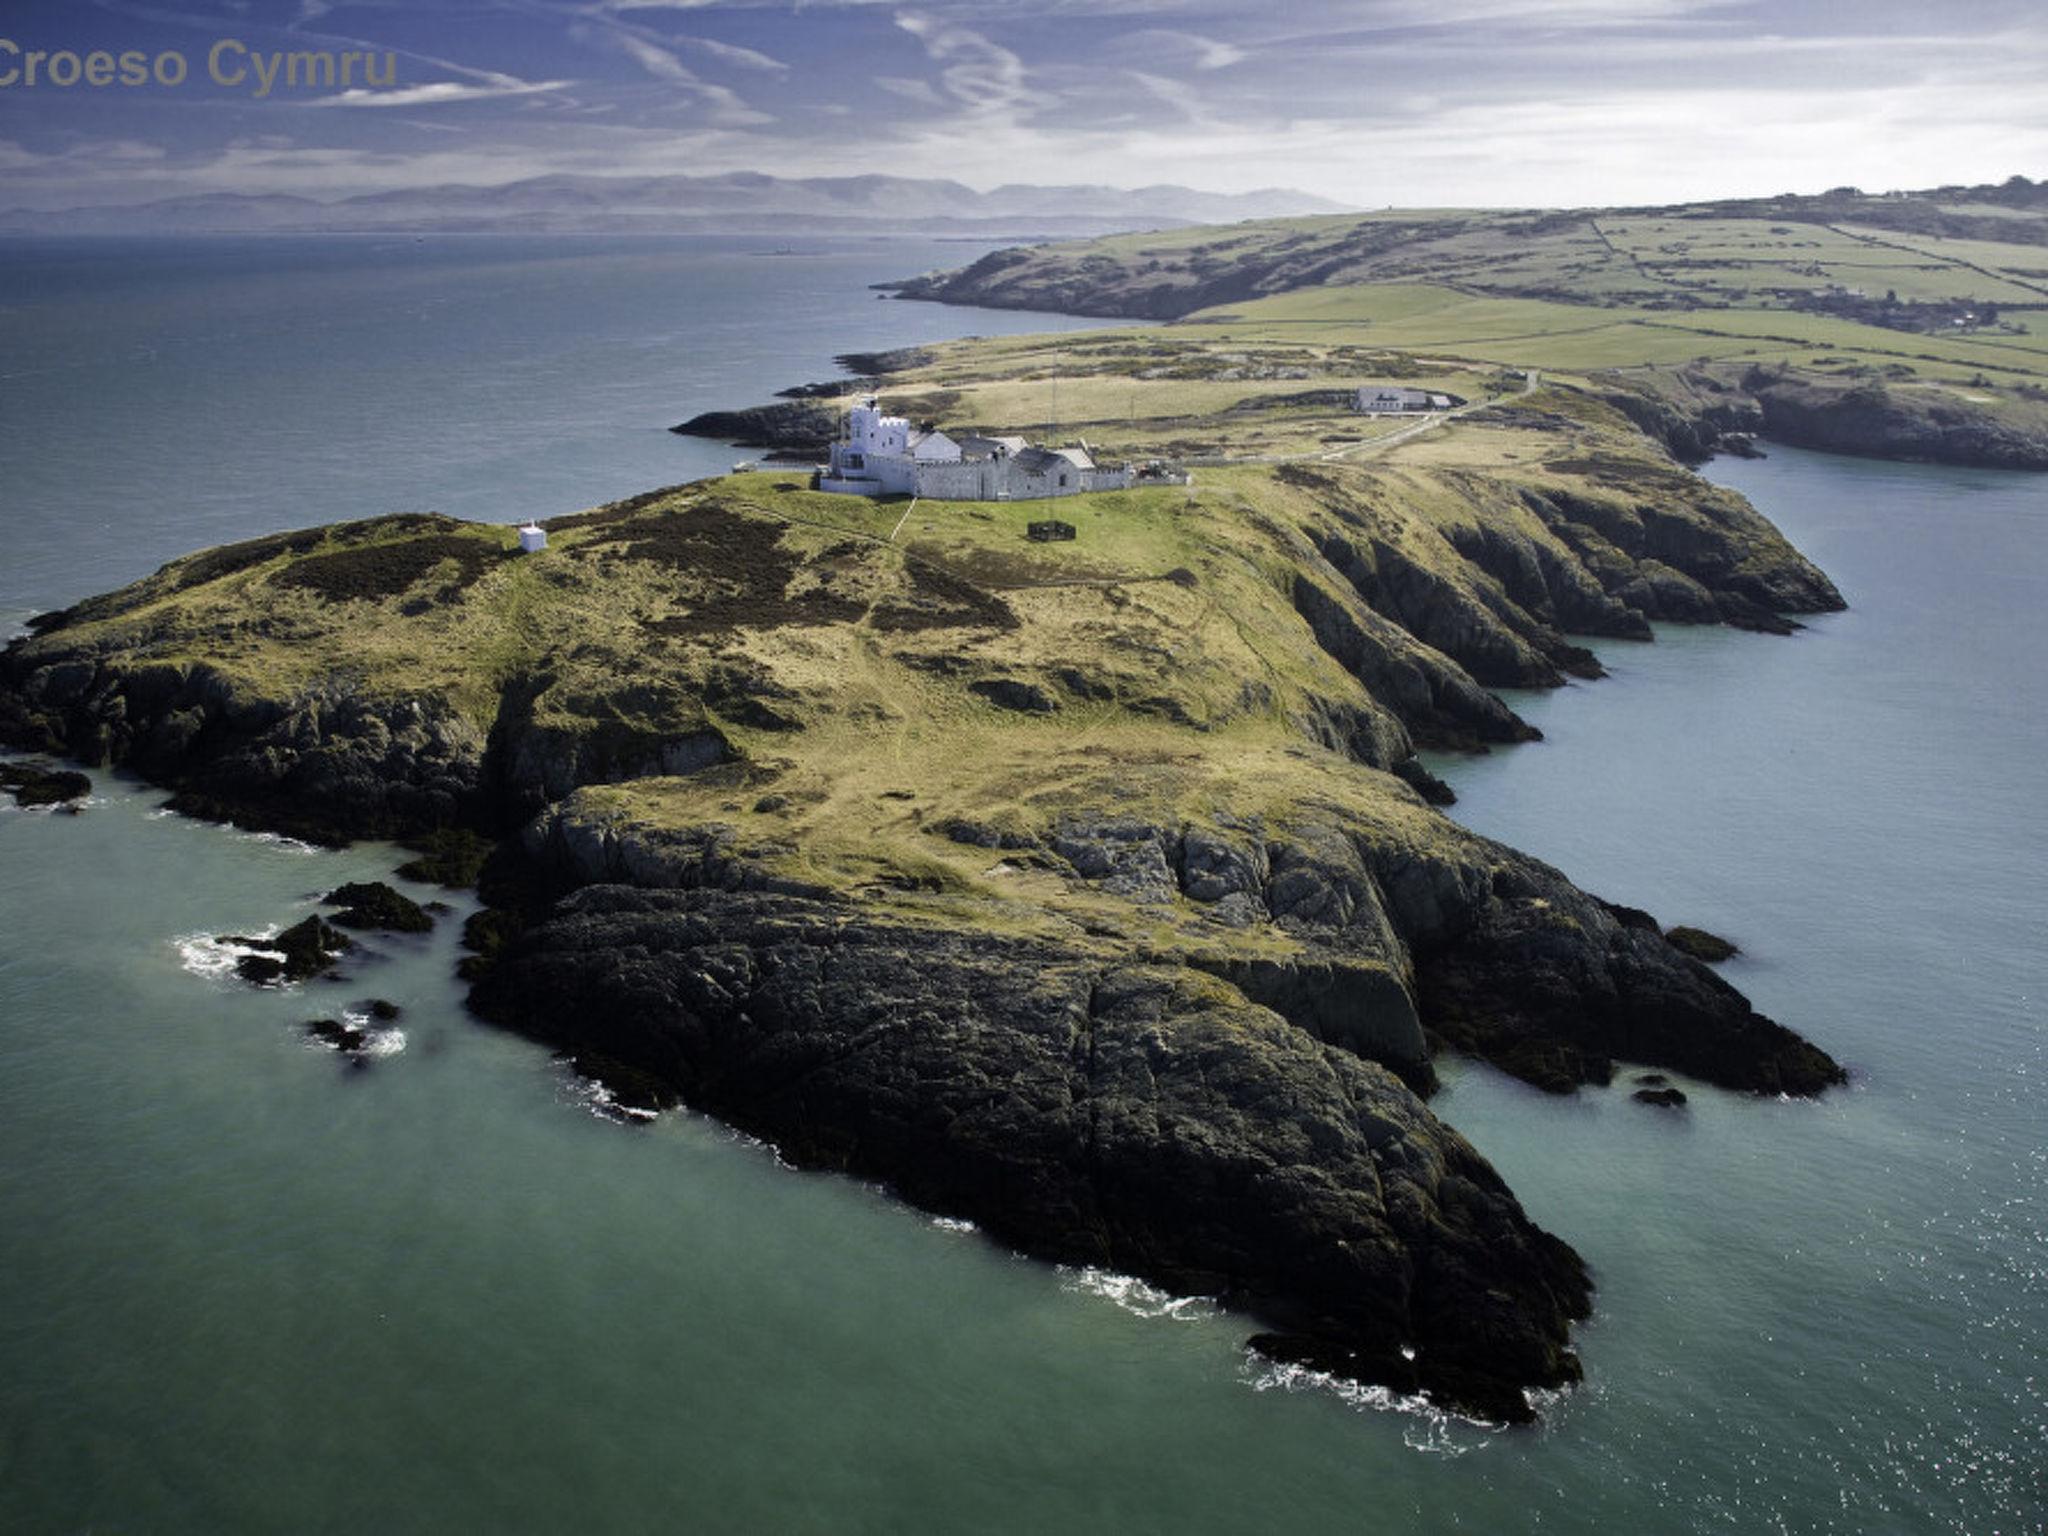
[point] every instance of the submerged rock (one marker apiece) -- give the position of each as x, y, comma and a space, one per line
1665, 1098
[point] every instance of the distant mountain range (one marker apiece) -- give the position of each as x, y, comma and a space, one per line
736, 203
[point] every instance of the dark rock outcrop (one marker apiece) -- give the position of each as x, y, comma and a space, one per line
448, 856
788, 426
349, 1039
1701, 945
1548, 984
1012, 693
372, 905
306, 949
326, 766
1081, 1108
1712, 408
32, 785
1437, 700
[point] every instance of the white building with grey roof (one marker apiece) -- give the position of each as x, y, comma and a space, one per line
882, 455
1386, 399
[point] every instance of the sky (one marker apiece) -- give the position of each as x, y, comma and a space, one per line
1368, 102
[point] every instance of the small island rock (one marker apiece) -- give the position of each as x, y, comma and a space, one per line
1701, 945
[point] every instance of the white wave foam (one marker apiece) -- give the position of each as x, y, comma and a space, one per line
61, 808
378, 1040
954, 1224
595, 1098
279, 840
204, 955
1134, 1295
1431, 1429
375, 1043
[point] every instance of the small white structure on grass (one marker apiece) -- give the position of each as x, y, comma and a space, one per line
532, 539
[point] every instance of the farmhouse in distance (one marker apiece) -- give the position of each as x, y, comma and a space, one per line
1388, 399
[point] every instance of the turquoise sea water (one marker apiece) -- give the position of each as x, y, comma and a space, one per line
244, 1288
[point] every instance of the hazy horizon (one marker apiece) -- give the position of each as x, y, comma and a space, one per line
1371, 103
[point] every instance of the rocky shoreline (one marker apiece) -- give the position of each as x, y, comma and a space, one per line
1167, 1003
1705, 409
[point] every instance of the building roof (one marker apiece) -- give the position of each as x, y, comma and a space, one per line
978, 445
1042, 461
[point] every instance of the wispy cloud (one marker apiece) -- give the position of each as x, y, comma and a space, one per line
983, 77
656, 60
439, 92
922, 91
1159, 43
734, 54
1183, 98
722, 105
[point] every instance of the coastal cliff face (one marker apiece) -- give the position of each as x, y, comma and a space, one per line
1143, 1117
1702, 409
1089, 891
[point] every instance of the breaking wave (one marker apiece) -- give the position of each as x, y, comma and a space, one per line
204, 955
1134, 1295
1430, 1429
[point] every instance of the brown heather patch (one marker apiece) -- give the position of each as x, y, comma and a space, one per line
374, 571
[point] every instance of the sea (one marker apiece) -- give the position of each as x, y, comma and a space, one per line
246, 1286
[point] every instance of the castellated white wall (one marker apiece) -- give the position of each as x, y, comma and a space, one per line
960, 480
993, 479
874, 433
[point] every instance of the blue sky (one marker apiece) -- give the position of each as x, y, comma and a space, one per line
1372, 102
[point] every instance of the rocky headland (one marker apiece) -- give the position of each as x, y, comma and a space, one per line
1089, 891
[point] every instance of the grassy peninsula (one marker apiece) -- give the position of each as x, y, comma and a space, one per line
1090, 890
